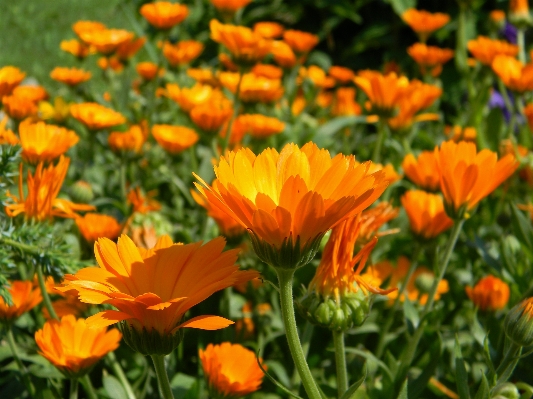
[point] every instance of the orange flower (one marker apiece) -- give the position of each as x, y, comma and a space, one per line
58, 111
519, 13
204, 76
317, 76
24, 297
468, 176
43, 143
182, 52
70, 76
110, 63
153, 289
164, 14
341, 74
513, 73
174, 139
267, 71
227, 225
300, 42
231, 370
131, 140
372, 219
243, 44
383, 91
73, 346
291, 198
424, 23
147, 70
230, 6
10, 77
41, 202
260, 126
423, 171
426, 213
95, 225
458, 133
6, 135
76, 48
268, 30
430, 57
143, 203
212, 114
485, 49
87, 26
19, 107
497, 16
253, 88
129, 48
31, 93
344, 102
106, 41
96, 116
188, 98
283, 54
490, 293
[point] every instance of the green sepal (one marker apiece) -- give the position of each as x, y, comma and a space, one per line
150, 342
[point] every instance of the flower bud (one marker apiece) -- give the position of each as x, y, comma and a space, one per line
505, 391
424, 282
82, 192
150, 342
519, 323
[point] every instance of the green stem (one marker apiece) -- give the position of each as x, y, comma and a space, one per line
88, 387
162, 377
194, 161
521, 42
236, 106
461, 54
382, 132
23, 372
509, 106
340, 362
285, 277
44, 293
390, 317
306, 343
120, 375
73, 388
508, 363
123, 190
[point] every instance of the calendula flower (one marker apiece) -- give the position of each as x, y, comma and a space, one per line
67, 304
372, 219
182, 52
317, 76
188, 98
43, 143
24, 297
147, 70
87, 26
430, 57
253, 88
260, 126
423, 22
18, 107
515, 75
519, 13
283, 54
41, 202
143, 203
153, 289
229, 6
227, 225
518, 323
244, 45
289, 200
212, 114
129, 48
96, 116
267, 71
497, 16
490, 293
6, 135
269, 30
58, 111
76, 48
426, 213
341, 74
203, 76
231, 370
92, 226
10, 77
73, 347
485, 49
112, 62
106, 41
423, 171
300, 42
70, 76
344, 102
458, 133
164, 14
528, 112
130, 140
174, 139
32, 93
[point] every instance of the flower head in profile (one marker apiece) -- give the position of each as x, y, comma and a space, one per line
6, 135
430, 58
231, 370
147, 70
426, 213
341, 74
260, 126
188, 98
254, 89
73, 347
24, 297
283, 54
183, 52
467, 176
70, 76
267, 71
106, 41
490, 293
458, 133
92, 226
43, 143
96, 116
164, 14
18, 107
269, 30
152, 289
519, 13
213, 113
131, 140
143, 202
485, 49
300, 42
424, 23
422, 171
75, 47
174, 139
229, 6
289, 200
515, 75
41, 202
10, 77
79, 27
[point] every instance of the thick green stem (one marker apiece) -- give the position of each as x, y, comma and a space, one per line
162, 377
382, 343
521, 42
382, 132
88, 387
236, 106
73, 389
287, 311
120, 375
340, 362
44, 293
23, 372
306, 343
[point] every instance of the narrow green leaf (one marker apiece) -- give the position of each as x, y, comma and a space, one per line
403, 392
274, 381
522, 227
114, 388
351, 392
417, 386
461, 377
484, 389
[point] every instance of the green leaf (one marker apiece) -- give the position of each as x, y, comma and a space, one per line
274, 381
400, 6
522, 227
417, 386
403, 392
114, 388
324, 133
461, 377
484, 389
351, 392
411, 314
372, 359
181, 383
494, 124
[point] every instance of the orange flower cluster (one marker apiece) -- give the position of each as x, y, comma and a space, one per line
490, 293
92, 226
229, 6
70, 76
485, 49
96, 116
24, 297
164, 14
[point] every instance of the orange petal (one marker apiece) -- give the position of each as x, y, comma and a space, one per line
206, 323
106, 318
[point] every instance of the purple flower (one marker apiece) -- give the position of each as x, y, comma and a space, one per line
509, 32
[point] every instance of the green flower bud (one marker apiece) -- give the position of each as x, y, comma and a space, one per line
150, 342
519, 323
81, 192
424, 282
505, 391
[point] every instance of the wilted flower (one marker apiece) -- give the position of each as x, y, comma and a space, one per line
231, 370
130, 140
426, 213
153, 289
42, 142
95, 225
269, 30
106, 41
174, 139
372, 219
485, 49
423, 171
300, 42
490, 293
24, 297
423, 22
182, 52
73, 346
96, 116
513, 73
430, 57
164, 14
70, 76
10, 77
